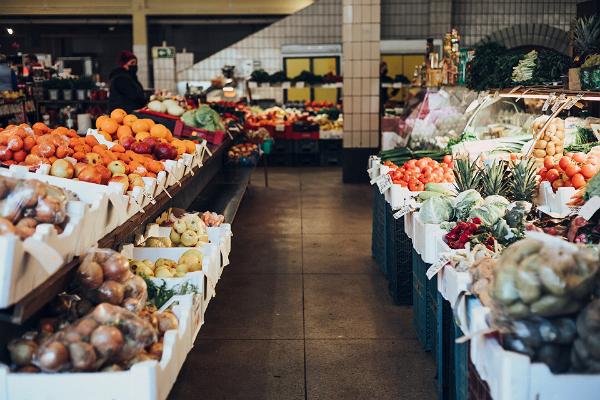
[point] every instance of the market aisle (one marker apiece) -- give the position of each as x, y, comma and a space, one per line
303, 312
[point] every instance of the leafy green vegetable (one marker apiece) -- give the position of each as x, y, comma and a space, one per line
159, 294
436, 210
203, 117
592, 188
465, 201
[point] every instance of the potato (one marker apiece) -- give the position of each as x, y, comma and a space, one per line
541, 144
550, 149
539, 153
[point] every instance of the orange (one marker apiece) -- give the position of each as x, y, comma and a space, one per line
158, 131
124, 130
150, 122
140, 126
139, 136
106, 135
190, 146
129, 119
109, 126
100, 120
118, 114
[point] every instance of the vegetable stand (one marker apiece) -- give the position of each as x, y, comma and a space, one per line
481, 252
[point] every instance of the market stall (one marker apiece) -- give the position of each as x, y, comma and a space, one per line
494, 245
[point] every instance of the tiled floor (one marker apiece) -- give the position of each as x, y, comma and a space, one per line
303, 312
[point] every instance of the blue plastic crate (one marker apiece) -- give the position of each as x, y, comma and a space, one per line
419, 284
398, 260
461, 367
378, 234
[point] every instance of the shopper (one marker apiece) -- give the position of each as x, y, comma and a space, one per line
8, 78
126, 91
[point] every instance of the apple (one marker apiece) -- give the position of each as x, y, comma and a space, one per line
78, 168
117, 167
122, 179
90, 174
5, 153
127, 141
135, 180
105, 173
164, 151
141, 148
152, 142
62, 168
93, 158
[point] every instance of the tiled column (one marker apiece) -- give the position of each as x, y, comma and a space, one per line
140, 40
360, 37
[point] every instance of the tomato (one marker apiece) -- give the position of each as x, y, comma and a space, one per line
579, 157
447, 159
403, 183
564, 162
415, 185
439, 170
542, 172
578, 181
572, 170
426, 170
410, 164
588, 171
552, 175
548, 162
569, 154
422, 163
567, 183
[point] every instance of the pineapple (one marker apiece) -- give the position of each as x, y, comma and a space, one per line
494, 179
523, 180
586, 36
467, 175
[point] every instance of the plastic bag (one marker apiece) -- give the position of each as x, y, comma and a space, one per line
26, 203
104, 276
109, 334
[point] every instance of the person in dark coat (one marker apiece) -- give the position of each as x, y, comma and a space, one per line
126, 91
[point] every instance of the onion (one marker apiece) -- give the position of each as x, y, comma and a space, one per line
54, 357
116, 268
107, 340
156, 350
83, 356
105, 313
167, 321
111, 292
85, 327
90, 275
22, 351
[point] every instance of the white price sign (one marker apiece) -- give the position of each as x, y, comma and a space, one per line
439, 264
149, 197
385, 183
590, 207
405, 209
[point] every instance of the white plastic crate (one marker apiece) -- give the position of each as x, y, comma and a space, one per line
148, 380
424, 240
554, 204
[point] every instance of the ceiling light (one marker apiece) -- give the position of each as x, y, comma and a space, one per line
9, 30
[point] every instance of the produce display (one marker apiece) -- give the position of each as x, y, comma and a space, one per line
414, 174
551, 141
203, 117
24, 204
167, 104
244, 154
189, 261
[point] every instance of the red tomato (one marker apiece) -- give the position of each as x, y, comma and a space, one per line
426, 170
415, 185
422, 163
564, 162
588, 171
410, 164
542, 172
552, 175
548, 162
447, 159
572, 170
579, 157
578, 181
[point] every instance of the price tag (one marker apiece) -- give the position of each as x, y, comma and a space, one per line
572, 101
385, 183
548, 101
466, 338
589, 208
522, 94
405, 209
574, 210
374, 180
149, 197
439, 264
279, 127
561, 99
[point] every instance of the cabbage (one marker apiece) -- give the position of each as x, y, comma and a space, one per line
489, 214
497, 200
189, 118
436, 210
465, 201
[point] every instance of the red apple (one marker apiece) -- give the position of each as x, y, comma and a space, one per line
164, 151
127, 141
90, 174
141, 148
105, 173
117, 167
152, 142
62, 168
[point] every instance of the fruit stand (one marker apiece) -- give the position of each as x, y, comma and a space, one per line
482, 243
118, 248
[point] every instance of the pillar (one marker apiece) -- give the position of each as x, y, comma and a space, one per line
140, 39
361, 55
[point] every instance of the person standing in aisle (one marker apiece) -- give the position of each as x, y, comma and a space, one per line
126, 91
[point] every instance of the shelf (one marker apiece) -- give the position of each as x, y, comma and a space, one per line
182, 196
74, 101
544, 92
336, 85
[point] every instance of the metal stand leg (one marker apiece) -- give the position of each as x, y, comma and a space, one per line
266, 170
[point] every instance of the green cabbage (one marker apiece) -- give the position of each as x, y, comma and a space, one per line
436, 210
489, 214
465, 201
497, 200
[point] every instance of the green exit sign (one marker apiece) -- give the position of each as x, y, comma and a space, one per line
163, 52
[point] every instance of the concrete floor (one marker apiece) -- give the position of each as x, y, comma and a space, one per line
303, 312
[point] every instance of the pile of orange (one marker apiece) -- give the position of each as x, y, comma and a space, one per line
120, 125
